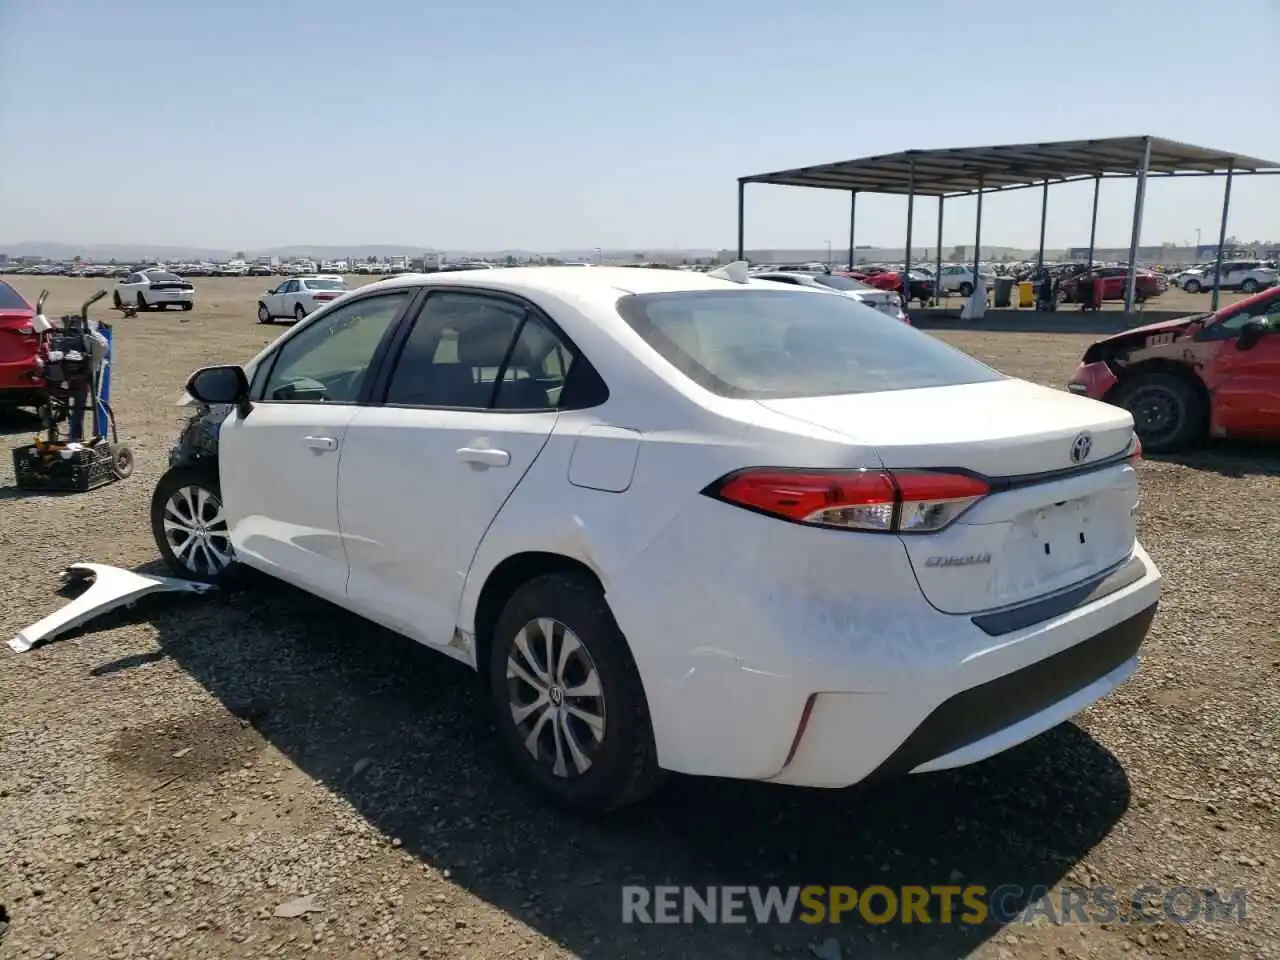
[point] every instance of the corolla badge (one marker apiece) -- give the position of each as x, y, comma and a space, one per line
1080, 447
973, 559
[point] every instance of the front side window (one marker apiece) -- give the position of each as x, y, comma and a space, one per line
760, 345
327, 360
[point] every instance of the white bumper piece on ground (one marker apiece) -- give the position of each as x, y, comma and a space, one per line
112, 588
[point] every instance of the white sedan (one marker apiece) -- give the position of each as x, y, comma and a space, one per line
154, 289
679, 521
299, 297
883, 300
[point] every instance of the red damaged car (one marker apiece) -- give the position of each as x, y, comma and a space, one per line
1146, 285
21, 380
1206, 375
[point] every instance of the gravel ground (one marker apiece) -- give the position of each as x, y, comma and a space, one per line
172, 775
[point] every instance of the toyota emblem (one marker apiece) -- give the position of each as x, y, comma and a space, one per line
1080, 448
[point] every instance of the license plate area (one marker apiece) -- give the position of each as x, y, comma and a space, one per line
1058, 544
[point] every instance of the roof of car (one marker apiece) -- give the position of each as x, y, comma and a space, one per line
568, 281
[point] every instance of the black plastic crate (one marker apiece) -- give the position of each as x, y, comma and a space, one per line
84, 469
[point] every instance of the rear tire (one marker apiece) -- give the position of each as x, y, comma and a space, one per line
965, 289
593, 751
189, 525
1191, 286
1249, 285
187, 306
1168, 413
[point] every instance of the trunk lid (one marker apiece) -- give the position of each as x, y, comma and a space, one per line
1053, 518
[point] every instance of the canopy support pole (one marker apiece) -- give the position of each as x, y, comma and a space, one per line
1222, 236
742, 188
911, 211
1044, 216
1139, 200
853, 223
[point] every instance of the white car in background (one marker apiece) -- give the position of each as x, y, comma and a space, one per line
958, 279
154, 289
1247, 276
885, 301
681, 521
299, 297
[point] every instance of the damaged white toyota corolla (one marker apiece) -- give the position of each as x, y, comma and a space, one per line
681, 522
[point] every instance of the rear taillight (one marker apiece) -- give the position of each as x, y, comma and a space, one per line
880, 501
325, 296
1135, 449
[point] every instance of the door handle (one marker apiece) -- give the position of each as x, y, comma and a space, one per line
321, 443
485, 456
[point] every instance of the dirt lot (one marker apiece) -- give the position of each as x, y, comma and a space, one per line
171, 776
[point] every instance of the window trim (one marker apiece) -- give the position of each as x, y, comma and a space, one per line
381, 384
375, 363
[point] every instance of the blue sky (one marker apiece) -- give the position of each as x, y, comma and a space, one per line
568, 124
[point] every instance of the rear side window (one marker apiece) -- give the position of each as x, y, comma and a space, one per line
764, 344
9, 299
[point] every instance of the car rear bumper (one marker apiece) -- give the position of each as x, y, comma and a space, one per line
796, 661
20, 382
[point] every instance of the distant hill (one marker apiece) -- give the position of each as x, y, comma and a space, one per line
131, 252
138, 251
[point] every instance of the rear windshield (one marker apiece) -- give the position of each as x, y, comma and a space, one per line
159, 276
325, 285
764, 344
9, 299
842, 283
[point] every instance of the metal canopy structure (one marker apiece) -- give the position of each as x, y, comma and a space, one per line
960, 171
966, 171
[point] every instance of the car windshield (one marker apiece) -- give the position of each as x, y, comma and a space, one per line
762, 344
842, 283
10, 299
325, 285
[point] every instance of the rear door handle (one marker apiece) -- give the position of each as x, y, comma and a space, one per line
487, 456
321, 443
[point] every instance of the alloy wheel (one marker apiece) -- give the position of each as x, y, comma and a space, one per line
555, 697
196, 530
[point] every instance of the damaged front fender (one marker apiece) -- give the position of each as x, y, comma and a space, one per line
112, 589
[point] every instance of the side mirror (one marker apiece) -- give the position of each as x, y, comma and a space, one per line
226, 384
1250, 334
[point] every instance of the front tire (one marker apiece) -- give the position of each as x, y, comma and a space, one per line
264, 315
190, 526
1168, 413
299, 314
965, 289
116, 301
569, 704
142, 303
